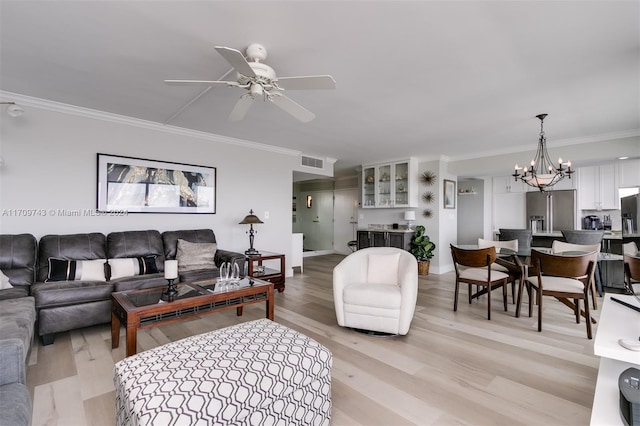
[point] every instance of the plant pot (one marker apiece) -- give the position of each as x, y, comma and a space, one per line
423, 267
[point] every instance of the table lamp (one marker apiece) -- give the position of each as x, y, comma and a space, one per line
409, 216
250, 219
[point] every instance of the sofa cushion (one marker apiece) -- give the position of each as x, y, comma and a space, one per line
18, 257
72, 270
129, 244
132, 266
138, 282
71, 247
17, 319
62, 293
193, 256
383, 268
15, 405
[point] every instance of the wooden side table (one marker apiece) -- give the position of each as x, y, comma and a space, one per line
257, 270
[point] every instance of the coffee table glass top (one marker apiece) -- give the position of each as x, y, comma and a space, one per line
154, 296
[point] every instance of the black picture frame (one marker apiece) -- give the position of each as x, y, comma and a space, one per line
138, 185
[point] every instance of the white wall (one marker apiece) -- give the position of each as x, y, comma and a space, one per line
49, 163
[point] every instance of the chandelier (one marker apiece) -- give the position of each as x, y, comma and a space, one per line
542, 173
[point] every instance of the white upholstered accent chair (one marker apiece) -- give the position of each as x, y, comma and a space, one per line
376, 289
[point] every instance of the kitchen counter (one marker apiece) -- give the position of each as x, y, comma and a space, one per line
384, 229
558, 234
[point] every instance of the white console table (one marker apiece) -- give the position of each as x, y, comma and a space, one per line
616, 322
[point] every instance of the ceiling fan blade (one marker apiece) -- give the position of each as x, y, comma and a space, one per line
200, 83
288, 105
309, 82
241, 108
237, 60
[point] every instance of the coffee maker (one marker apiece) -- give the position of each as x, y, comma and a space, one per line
591, 222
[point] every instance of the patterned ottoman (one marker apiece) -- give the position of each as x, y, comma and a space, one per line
256, 373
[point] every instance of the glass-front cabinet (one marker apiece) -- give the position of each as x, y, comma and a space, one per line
389, 185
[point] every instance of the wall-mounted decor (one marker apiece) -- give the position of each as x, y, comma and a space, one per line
449, 191
137, 185
427, 213
428, 178
428, 197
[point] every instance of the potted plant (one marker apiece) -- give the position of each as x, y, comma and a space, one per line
422, 248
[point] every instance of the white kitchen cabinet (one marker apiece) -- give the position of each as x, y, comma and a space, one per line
509, 210
390, 185
628, 173
507, 184
598, 187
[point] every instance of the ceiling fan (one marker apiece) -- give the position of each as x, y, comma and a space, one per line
259, 80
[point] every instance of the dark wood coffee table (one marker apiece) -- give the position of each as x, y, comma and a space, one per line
136, 309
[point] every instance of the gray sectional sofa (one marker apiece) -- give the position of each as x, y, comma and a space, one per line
17, 323
74, 303
64, 282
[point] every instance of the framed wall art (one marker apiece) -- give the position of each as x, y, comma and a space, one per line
136, 185
449, 191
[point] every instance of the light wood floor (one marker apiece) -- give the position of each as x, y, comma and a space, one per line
451, 369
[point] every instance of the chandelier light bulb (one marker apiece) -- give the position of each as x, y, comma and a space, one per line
560, 160
516, 166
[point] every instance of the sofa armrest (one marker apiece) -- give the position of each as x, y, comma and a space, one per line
12, 361
223, 256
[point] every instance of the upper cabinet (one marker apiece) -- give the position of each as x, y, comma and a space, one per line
390, 185
629, 173
598, 187
506, 184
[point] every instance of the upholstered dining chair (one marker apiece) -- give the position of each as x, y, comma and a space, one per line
473, 266
630, 248
632, 274
558, 247
524, 237
514, 270
563, 277
580, 236
376, 289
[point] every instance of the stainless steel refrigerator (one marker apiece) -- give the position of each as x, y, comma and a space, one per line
552, 210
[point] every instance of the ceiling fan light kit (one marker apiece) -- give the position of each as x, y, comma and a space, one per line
260, 80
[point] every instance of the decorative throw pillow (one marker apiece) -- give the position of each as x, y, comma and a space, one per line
192, 256
131, 266
383, 268
4, 281
76, 270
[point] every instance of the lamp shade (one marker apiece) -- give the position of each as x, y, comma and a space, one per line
410, 215
250, 219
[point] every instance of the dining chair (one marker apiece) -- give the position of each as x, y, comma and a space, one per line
563, 277
632, 274
560, 247
630, 248
501, 264
579, 236
473, 266
524, 237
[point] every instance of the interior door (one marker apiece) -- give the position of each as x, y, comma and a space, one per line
344, 220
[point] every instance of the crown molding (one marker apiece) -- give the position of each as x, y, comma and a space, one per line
556, 143
44, 104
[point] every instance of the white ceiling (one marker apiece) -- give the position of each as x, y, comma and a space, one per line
414, 78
